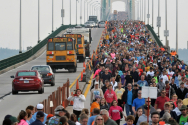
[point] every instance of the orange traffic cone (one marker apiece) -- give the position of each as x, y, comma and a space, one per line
81, 76
71, 102
63, 104
77, 84
84, 71
84, 64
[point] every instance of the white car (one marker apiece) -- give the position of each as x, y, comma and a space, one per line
101, 25
89, 24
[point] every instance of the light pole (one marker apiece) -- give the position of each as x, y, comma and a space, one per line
70, 12
20, 51
38, 21
80, 12
142, 10
152, 12
148, 12
76, 12
62, 12
158, 20
177, 26
166, 21
52, 15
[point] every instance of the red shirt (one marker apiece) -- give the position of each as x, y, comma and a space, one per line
160, 101
114, 112
167, 92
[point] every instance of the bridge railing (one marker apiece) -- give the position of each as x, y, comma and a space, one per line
5, 63
157, 38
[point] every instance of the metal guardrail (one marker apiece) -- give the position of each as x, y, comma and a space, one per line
157, 39
5, 63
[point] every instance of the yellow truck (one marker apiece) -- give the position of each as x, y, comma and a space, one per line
79, 46
61, 54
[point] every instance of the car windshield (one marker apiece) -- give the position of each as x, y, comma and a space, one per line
41, 68
27, 74
87, 23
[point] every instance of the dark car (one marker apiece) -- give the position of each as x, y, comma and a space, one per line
46, 73
27, 80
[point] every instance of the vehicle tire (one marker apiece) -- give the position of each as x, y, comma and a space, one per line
41, 90
14, 92
54, 70
75, 69
53, 83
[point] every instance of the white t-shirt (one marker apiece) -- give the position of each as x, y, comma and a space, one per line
150, 73
114, 85
165, 78
178, 112
171, 73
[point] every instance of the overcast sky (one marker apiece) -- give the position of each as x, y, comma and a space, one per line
9, 23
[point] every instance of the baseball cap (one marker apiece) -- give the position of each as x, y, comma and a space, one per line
7, 116
96, 83
183, 107
40, 106
50, 115
13, 119
40, 114
60, 108
97, 96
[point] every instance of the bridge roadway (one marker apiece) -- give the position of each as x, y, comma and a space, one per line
13, 104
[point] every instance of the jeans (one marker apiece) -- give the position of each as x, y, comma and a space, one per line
128, 109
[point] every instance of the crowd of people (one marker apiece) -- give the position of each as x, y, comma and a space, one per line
129, 60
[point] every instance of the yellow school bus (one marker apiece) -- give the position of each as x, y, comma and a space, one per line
61, 53
79, 45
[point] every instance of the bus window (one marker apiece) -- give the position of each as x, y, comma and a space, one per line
69, 46
60, 46
79, 41
50, 46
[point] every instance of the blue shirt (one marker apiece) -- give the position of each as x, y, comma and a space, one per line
142, 83
91, 119
28, 122
129, 97
34, 118
138, 103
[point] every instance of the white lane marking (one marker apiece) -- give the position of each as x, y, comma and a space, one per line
23, 64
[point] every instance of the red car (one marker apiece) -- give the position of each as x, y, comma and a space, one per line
27, 80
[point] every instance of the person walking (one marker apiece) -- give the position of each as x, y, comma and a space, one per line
182, 91
99, 120
155, 118
138, 102
127, 99
22, 117
152, 109
110, 95
143, 117
182, 119
138, 114
96, 91
88, 70
78, 98
95, 104
114, 112
160, 101
107, 121
59, 112
39, 118
39, 108
95, 112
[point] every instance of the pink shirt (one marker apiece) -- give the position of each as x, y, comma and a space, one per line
114, 112
23, 122
113, 55
110, 96
96, 72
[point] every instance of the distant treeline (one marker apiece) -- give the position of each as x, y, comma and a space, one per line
5, 53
